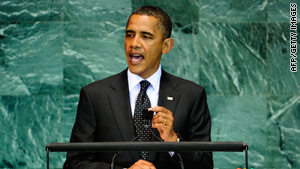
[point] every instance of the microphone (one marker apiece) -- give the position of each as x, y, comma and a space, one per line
147, 116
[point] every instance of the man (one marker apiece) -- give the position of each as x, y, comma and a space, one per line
109, 109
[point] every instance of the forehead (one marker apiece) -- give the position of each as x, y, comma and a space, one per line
142, 23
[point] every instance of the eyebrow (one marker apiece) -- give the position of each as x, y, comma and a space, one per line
129, 31
147, 33
143, 32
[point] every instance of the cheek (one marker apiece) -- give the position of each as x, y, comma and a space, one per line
126, 43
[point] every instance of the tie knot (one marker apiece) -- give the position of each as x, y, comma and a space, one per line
144, 85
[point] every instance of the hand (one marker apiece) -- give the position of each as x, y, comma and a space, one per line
163, 121
142, 164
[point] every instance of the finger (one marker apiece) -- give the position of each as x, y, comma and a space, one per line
164, 116
147, 163
160, 109
161, 127
142, 164
161, 120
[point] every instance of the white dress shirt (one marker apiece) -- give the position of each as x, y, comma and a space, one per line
134, 87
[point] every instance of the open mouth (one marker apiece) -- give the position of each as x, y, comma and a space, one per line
136, 58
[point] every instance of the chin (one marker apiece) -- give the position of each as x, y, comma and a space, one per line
135, 70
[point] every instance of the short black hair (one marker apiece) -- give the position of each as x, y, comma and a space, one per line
156, 12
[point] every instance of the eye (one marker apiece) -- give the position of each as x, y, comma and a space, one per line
130, 35
147, 36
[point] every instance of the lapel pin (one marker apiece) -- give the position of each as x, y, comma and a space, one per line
170, 98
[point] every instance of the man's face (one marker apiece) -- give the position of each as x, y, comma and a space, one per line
143, 45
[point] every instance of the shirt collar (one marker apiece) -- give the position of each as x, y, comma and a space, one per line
134, 80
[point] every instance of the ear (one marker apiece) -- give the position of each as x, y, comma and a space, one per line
167, 45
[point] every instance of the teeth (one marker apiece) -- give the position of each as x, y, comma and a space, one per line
136, 55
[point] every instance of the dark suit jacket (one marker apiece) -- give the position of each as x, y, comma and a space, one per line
104, 115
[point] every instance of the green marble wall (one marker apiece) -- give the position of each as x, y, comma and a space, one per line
237, 50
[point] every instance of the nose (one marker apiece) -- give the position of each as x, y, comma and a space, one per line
135, 42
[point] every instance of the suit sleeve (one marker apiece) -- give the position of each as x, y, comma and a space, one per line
198, 129
84, 131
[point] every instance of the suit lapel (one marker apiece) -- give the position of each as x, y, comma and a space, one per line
167, 96
119, 100
120, 104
